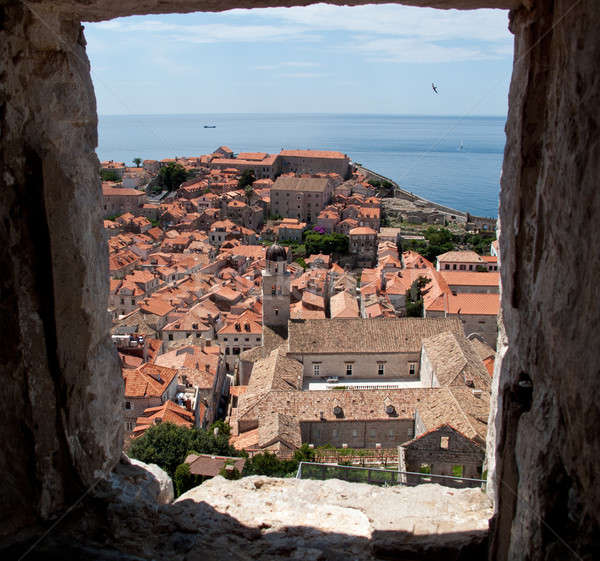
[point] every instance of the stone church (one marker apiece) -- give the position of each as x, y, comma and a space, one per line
360, 383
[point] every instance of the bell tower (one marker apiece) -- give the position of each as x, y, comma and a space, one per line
276, 288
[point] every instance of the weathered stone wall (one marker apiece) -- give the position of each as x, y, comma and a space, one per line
358, 434
61, 391
547, 444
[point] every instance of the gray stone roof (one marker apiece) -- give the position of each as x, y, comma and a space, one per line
358, 335
455, 362
292, 183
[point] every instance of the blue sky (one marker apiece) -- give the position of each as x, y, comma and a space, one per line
320, 58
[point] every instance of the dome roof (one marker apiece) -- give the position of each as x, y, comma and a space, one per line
276, 253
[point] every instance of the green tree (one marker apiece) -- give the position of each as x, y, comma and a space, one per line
325, 243
269, 464
414, 297
231, 474
301, 262
171, 176
248, 191
183, 480
110, 175
246, 179
304, 454
137, 162
167, 445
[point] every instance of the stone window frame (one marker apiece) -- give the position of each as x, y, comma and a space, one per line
514, 205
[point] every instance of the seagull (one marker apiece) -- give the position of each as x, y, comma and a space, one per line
434, 88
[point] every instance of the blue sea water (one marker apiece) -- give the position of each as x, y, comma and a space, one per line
422, 154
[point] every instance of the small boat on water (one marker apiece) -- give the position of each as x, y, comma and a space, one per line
210, 126
461, 145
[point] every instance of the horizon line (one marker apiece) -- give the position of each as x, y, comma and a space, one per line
271, 113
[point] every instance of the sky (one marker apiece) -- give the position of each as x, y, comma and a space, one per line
315, 59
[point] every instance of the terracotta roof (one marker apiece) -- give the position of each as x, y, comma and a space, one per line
460, 257
474, 304
279, 427
108, 191
366, 335
362, 231
293, 183
149, 380
343, 305
454, 361
169, 412
471, 278
313, 154
209, 466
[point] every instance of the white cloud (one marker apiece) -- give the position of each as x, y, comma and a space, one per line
414, 51
392, 19
385, 33
208, 33
292, 64
303, 75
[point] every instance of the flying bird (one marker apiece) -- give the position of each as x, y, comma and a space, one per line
434, 88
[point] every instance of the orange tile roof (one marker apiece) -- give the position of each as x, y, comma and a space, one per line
148, 380
474, 304
313, 154
362, 231
471, 278
109, 191
169, 412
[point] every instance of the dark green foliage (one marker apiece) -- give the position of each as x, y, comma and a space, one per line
171, 176
167, 445
301, 262
231, 474
440, 240
110, 175
246, 179
137, 162
221, 427
325, 243
414, 297
304, 454
399, 246
384, 188
183, 480
269, 464
298, 249
480, 243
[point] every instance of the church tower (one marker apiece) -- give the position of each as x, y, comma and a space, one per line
276, 288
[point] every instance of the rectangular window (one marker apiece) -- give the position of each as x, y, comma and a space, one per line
170, 336
444, 442
128, 405
316, 369
348, 369
380, 369
412, 369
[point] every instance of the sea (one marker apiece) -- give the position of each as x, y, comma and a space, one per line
454, 161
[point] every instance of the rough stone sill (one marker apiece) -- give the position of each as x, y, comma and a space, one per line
305, 519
